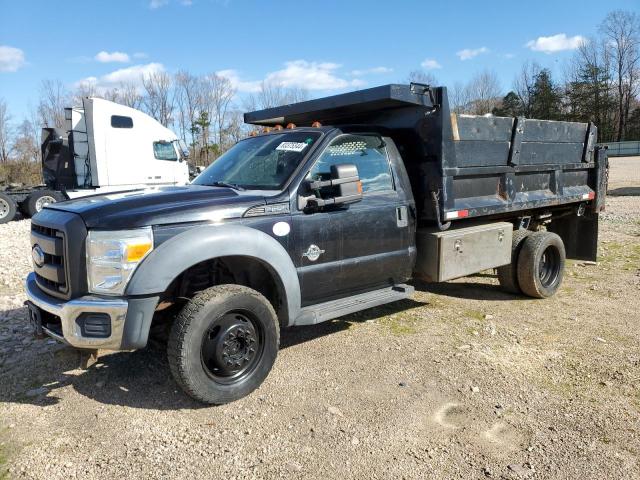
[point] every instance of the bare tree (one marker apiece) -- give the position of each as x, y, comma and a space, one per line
26, 145
273, 94
419, 76
159, 99
84, 89
622, 30
53, 99
524, 85
219, 93
485, 92
460, 98
189, 94
129, 95
5, 132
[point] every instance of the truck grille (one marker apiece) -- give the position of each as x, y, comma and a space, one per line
48, 253
58, 251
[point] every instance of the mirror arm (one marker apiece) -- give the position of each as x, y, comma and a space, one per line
319, 202
331, 183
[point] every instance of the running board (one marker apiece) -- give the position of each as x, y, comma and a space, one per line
337, 308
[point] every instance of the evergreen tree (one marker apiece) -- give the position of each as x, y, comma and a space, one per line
546, 99
511, 106
590, 100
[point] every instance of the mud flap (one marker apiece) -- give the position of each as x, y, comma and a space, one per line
580, 236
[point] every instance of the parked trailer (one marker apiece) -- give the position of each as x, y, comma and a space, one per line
105, 147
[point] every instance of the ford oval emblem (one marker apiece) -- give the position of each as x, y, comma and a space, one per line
38, 255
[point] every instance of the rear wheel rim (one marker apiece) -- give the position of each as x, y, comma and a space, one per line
549, 266
4, 208
43, 201
232, 347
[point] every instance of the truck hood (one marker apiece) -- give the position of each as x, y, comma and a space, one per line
160, 206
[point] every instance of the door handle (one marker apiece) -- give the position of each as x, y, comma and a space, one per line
402, 219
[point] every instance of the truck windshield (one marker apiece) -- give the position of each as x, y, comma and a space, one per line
259, 163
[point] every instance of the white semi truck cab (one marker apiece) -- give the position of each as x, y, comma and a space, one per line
105, 147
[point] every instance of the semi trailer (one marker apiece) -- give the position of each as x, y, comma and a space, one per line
104, 147
331, 206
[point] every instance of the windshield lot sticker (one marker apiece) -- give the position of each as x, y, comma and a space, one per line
281, 229
291, 146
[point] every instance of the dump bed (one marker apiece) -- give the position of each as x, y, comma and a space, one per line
464, 166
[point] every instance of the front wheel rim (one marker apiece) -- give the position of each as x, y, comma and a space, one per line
232, 347
43, 201
549, 267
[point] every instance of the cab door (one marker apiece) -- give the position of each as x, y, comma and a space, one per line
357, 247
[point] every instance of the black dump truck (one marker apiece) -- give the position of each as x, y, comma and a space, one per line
330, 209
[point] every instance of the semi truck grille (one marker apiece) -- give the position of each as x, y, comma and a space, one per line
48, 248
58, 252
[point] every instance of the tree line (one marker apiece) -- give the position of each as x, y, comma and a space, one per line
600, 84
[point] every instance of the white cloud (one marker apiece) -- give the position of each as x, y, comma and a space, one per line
469, 53
297, 73
555, 43
153, 4
140, 55
129, 75
309, 75
430, 64
371, 71
11, 59
240, 85
108, 57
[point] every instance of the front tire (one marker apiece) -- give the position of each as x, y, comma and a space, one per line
541, 264
223, 344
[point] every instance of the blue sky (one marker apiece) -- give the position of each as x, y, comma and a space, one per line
327, 46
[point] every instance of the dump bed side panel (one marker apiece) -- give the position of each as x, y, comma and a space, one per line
494, 166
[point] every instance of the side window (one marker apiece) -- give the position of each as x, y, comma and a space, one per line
164, 151
118, 121
366, 152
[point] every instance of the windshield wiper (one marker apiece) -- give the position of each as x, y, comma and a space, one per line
235, 186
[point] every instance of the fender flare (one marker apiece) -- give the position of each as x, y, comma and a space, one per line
156, 272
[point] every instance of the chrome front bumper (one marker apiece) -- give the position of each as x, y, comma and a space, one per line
70, 310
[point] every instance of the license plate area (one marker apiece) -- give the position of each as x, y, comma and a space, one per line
41, 319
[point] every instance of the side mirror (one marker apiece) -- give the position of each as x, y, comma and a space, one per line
345, 185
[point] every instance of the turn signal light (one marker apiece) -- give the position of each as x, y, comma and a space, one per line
359, 186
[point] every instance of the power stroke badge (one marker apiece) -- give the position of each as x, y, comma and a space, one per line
313, 252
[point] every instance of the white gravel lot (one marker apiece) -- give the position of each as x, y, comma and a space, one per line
463, 381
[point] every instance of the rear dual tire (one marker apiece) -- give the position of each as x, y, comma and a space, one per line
541, 264
537, 264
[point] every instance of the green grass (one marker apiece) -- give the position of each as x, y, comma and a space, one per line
474, 314
4, 473
401, 324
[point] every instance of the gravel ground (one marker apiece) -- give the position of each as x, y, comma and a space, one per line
462, 381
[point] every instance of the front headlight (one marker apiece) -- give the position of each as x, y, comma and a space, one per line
112, 256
